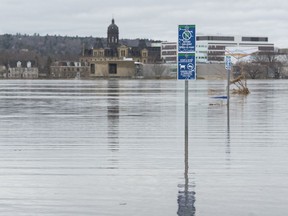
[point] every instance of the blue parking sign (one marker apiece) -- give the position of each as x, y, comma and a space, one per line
186, 66
186, 38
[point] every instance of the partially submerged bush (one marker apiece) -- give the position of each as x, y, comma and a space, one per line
241, 84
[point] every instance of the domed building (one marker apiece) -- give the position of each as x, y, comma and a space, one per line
113, 35
110, 58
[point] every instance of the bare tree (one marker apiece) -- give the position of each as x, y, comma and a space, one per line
158, 70
285, 59
270, 61
253, 70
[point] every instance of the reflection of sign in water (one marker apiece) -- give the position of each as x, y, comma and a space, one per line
186, 38
186, 195
186, 66
186, 203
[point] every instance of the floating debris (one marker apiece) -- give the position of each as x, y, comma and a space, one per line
241, 84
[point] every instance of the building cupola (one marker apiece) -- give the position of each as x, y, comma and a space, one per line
112, 35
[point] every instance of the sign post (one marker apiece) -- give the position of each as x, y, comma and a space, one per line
228, 66
186, 69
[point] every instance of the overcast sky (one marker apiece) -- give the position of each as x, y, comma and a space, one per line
150, 19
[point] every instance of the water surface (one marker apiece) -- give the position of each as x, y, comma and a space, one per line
116, 147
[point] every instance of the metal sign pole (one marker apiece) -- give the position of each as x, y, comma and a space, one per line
186, 110
228, 99
186, 69
228, 87
186, 63
228, 65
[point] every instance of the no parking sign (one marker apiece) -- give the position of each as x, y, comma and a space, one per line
186, 38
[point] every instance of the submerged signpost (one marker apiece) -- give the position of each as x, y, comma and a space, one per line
186, 64
228, 67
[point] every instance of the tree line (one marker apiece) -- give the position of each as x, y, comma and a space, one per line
42, 49
263, 65
46, 49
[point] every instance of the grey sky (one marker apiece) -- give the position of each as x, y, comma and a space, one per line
146, 19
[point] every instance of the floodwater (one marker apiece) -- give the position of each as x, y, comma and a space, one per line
117, 148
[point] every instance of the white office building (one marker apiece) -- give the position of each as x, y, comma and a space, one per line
211, 48
169, 52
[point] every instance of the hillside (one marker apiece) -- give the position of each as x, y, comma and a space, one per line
46, 49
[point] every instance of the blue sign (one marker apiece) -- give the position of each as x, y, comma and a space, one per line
228, 63
186, 38
186, 66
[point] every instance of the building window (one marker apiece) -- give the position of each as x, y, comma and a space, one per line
112, 68
262, 39
169, 52
92, 69
123, 53
215, 38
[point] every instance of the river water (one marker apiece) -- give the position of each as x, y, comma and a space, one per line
117, 147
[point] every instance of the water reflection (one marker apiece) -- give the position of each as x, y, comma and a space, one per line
112, 148
186, 194
113, 114
228, 149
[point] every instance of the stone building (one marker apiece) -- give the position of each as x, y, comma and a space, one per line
2, 71
21, 70
68, 70
113, 59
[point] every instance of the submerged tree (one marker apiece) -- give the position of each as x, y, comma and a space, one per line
269, 61
240, 81
253, 70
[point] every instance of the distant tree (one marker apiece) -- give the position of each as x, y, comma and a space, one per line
253, 70
270, 61
47, 67
6, 41
37, 61
158, 70
285, 59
